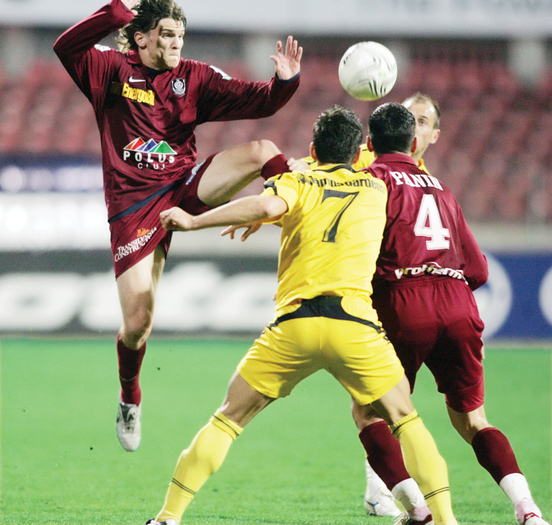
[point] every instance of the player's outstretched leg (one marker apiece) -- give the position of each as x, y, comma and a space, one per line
196, 464
233, 169
208, 449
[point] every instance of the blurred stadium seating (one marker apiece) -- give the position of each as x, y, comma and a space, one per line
494, 151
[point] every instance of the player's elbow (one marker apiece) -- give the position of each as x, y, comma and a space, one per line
271, 207
64, 48
477, 280
59, 48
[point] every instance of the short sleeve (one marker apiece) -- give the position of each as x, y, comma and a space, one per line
284, 186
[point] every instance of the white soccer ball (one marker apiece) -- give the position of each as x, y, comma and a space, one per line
368, 71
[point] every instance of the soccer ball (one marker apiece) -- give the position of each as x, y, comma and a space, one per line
368, 71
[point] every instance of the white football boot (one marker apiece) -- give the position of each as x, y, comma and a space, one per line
527, 513
405, 519
378, 500
535, 520
129, 429
166, 522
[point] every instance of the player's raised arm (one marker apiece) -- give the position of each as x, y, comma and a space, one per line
288, 63
82, 37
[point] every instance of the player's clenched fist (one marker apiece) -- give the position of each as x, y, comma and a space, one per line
176, 219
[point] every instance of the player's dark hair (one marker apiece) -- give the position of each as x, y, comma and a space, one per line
420, 98
392, 129
337, 135
148, 15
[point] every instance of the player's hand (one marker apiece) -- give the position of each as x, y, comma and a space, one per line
130, 3
288, 64
297, 165
249, 230
176, 219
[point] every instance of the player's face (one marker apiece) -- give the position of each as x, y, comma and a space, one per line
424, 113
160, 48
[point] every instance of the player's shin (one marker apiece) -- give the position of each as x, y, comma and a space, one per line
384, 453
197, 463
426, 466
130, 363
495, 454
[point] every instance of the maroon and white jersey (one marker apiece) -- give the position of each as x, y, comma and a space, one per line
147, 120
426, 233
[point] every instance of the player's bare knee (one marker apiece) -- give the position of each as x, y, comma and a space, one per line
468, 424
363, 416
136, 331
262, 151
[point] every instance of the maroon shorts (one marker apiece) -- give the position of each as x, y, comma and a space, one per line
138, 231
436, 321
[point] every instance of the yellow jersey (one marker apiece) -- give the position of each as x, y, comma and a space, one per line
331, 236
366, 158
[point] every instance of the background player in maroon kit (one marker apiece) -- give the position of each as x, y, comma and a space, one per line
428, 266
148, 101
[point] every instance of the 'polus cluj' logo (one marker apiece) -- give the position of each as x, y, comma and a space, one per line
179, 87
150, 154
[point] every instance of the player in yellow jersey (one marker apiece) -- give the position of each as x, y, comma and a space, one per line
332, 223
428, 121
378, 500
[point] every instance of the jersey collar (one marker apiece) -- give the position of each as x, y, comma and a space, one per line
333, 167
396, 157
134, 57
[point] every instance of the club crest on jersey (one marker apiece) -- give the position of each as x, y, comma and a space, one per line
149, 154
179, 87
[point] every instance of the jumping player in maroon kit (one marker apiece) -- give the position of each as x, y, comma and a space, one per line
428, 266
148, 101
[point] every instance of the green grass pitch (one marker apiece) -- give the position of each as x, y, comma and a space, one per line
300, 462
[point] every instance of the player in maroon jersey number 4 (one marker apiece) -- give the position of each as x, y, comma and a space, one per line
429, 261
148, 102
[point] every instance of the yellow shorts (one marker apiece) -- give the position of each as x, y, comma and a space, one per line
321, 335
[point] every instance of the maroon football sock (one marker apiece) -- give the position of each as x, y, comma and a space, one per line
494, 453
130, 362
384, 453
274, 166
